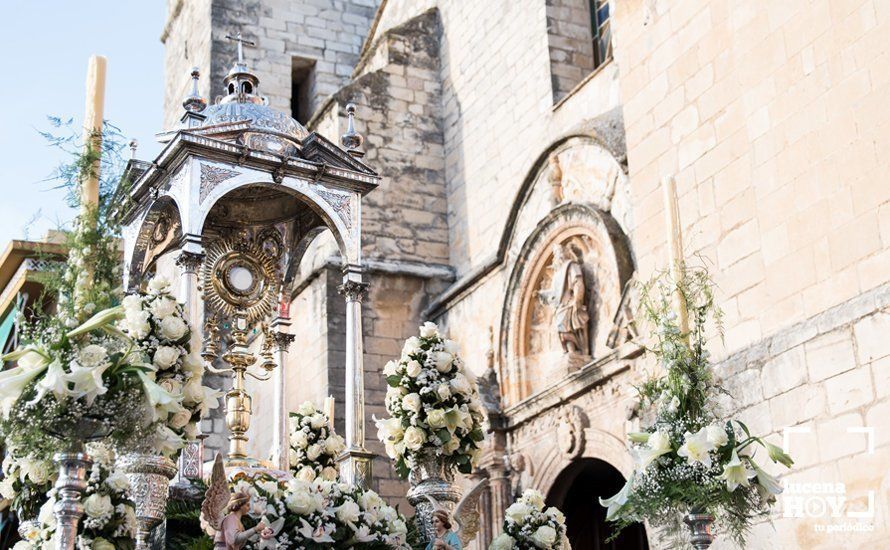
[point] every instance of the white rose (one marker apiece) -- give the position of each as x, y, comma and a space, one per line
443, 391
193, 392
117, 481
436, 418
334, 445
306, 473
158, 285
411, 345
502, 542
545, 536
414, 438
428, 330
389, 429
22, 545
163, 307
46, 516
307, 408
329, 473
413, 368
173, 328
171, 385
717, 435
450, 346
292, 457
443, 361
7, 489
411, 402
40, 471
300, 502
165, 356
318, 421
313, 451
533, 498
92, 355
390, 368
348, 512
101, 544
299, 439
97, 506
451, 445
180, 419
137, 325
517, 512
132, 302
460, 384
557, 516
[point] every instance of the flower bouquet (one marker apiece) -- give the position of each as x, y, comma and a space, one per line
319, 514
171, 374
314, 447
529, 526
26, 481
688, 459
110, 519
434, 406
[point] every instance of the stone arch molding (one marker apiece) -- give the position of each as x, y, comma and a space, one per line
339, 210
599, 444
579, 199
158, 231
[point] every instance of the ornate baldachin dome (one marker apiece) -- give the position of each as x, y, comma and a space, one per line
244, 116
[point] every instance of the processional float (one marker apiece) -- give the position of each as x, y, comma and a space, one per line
234, 199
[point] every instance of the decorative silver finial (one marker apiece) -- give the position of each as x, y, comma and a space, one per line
133, 146
241, 41
194, 103
352, 140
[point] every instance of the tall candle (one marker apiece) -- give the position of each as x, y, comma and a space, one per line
675, 248
329, 409
92, 130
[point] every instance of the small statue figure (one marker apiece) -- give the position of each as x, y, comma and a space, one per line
568, 295
466, 516
227, 531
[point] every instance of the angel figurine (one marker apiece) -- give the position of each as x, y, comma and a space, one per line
227, 531
466, 516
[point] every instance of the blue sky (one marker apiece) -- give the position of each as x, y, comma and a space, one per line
45, 46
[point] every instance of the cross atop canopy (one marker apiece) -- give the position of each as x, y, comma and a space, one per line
241, 41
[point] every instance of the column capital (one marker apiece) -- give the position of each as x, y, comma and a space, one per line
353, 290
189, 262
283, 340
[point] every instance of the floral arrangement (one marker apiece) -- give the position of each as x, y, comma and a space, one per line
314, 447
109, 520
530, 526
688, 458
26, 480
135, 383
319, 514
433, 404
157, 325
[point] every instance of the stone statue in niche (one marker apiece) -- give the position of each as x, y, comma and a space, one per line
568, 295
554, 177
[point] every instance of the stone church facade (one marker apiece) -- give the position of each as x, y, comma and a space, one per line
521, 145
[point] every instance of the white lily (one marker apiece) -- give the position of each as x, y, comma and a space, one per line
765, 480
210, 401
615, 503
322, 533
658, 443
736, 473
99, 320
14, 380
55, 381
88, 382
696, 448
159, 399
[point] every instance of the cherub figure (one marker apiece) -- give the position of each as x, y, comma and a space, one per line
227, 531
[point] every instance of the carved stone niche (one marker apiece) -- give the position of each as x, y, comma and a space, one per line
562, 298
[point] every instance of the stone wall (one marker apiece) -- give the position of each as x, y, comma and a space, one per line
570, 41
322, 35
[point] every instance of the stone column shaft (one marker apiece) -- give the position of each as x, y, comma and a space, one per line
190, 266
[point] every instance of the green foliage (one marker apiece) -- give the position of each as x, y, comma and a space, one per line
184, 524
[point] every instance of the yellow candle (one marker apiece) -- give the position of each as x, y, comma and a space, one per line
675, 248
92, 130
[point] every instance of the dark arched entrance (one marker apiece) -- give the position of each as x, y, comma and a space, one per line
577, 491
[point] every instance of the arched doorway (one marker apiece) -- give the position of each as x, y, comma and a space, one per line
577, 491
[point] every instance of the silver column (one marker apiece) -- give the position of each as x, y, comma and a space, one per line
355, 463
189, 263
280, 438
